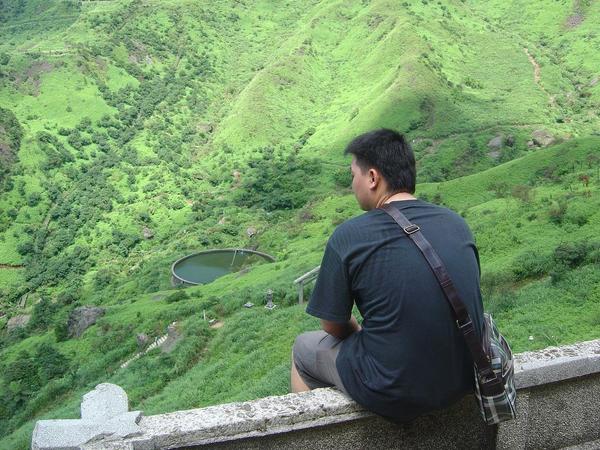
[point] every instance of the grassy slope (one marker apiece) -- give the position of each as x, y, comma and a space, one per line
339, 68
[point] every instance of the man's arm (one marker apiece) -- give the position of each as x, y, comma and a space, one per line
340, 330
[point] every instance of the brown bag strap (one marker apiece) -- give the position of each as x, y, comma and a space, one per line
461, 314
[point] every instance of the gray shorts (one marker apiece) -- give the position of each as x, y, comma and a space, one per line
314, 355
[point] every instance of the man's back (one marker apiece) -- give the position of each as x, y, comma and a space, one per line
409, 357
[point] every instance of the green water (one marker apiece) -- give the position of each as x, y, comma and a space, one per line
206, 267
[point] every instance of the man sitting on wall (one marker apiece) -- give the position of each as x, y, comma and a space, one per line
408, 357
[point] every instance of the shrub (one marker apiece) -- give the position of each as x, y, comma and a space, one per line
531, 264
61, 331
52, 363
342, 178
501, 301
42, 315
103, 278
571, 254
557, 212
522, 192
275, 181
499, 188
34, 199
558, 272
493, 282
176, 296
25, 248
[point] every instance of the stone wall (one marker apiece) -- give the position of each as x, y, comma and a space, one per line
558, 407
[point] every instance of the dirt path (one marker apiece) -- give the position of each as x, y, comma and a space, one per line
11, 266
48, 216
537, 77
536, 66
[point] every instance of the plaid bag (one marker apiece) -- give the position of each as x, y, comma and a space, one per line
493, 361
496, 393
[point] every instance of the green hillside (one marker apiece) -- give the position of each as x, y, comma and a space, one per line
222, 124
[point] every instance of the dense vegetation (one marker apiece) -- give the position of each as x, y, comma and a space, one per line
223, 125
11, 134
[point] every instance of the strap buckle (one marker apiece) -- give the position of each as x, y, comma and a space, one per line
410, 229
466, 324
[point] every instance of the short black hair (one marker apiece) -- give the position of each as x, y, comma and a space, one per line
388, 152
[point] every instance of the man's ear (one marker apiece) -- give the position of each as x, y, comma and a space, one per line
373, 178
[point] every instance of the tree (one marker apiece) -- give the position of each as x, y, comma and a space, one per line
51, 363
42, 314
34, 199
522, 192
23, 375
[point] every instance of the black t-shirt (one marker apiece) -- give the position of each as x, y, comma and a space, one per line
409, 357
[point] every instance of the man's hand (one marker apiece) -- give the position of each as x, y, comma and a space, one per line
340, 330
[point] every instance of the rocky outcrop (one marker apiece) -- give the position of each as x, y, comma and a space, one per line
542, 138
495, 143
147, 233
19, 321
82, 318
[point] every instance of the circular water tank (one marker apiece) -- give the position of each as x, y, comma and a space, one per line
204, 267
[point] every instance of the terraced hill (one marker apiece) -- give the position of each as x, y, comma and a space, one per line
193, 124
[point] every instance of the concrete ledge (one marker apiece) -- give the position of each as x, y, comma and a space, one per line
559, 389
270, 415
557, 363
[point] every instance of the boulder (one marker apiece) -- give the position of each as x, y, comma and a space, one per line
204, 127
19, 321
496, 143
251, 231
542, 138
495, 154
82, 318
147, 233
142, 341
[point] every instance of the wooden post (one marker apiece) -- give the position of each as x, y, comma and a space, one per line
308, 276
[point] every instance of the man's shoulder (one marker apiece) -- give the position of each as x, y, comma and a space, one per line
366, 226
355, 224
447, 212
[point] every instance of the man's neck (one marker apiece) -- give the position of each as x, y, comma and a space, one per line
400, 196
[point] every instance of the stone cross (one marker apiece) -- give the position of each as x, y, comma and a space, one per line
104, 415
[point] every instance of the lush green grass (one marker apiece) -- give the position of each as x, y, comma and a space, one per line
188, 105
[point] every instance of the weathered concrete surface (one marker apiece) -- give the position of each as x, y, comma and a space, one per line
222, 422
563, 414
104, 402
595, 445
558, 406
557, 363
104, 417
428, 433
